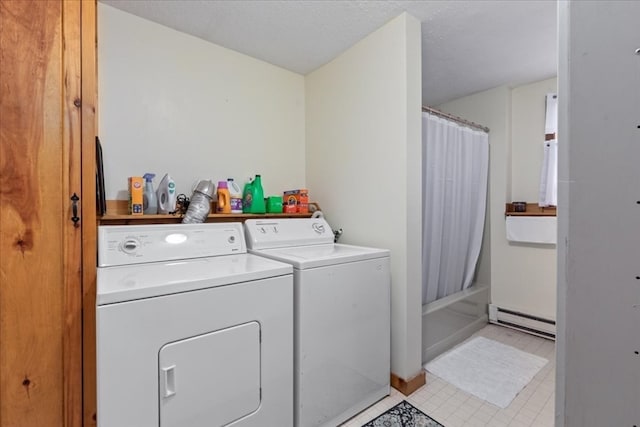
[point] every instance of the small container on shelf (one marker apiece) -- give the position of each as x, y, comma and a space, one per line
296, 201
235, 196
224, 199
135, 188
519, 206
274, 204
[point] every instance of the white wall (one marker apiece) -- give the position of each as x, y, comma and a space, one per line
525, 279
170, 102
363, 163
598, 368
522, 276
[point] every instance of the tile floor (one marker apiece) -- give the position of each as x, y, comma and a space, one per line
452, 407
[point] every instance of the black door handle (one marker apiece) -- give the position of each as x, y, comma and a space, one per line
74, 207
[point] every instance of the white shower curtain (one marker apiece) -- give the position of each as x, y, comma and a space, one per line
455, 173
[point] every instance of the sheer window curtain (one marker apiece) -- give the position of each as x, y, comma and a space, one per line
549, 173
455, 173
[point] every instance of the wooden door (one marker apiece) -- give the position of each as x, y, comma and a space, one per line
89, 220
41, 135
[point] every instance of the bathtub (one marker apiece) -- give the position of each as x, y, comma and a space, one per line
452, 319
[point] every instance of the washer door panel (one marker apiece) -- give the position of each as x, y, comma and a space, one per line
211, 379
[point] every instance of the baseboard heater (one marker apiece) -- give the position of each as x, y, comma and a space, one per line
524, 322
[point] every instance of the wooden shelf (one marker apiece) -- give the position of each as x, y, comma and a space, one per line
172, 219
532, 210
117, 215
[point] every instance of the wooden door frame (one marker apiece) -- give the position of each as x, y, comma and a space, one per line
89, 218
79, 30
30, 392
72, 184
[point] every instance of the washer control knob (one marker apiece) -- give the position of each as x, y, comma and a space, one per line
130, 245
232, 239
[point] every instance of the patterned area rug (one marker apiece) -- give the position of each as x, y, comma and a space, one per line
403, 415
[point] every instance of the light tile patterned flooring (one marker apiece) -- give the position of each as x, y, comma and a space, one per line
452, 407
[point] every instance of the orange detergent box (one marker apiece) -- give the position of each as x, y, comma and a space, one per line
136, 189
296, 201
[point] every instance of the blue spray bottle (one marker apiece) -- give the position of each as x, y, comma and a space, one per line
149, 198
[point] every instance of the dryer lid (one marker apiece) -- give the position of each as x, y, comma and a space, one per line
131, 282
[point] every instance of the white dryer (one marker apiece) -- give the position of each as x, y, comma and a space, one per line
342, 318
191, 330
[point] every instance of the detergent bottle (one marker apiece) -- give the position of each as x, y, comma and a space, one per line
149, 200
235, 196
247, 195
224, 202
257, 197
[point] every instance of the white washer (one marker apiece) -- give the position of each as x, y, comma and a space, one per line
342, 318
191, 330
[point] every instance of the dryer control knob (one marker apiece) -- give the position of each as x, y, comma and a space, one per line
130, 245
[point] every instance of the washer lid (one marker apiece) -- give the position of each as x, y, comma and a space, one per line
303, 257
131, 282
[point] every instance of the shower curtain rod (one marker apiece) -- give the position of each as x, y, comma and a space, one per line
455, 119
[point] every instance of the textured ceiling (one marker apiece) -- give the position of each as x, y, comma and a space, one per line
467, 46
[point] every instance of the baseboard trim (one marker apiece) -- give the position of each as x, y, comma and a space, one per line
407, 387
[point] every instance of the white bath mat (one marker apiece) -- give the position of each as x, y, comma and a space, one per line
490, 370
